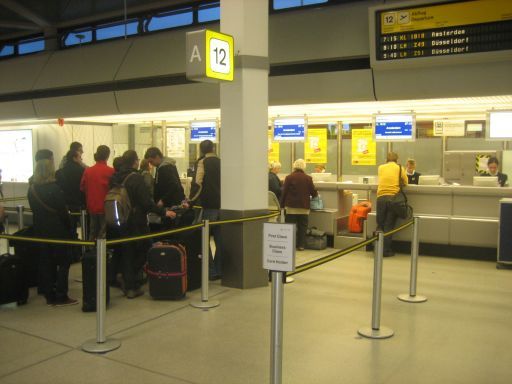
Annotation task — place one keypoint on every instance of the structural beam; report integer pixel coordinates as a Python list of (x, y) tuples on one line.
[(26, 13)]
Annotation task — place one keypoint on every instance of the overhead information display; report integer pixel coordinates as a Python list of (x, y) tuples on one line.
[(443, 29)]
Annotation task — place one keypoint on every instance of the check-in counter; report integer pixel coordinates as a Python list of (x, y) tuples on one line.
[(450, 215)]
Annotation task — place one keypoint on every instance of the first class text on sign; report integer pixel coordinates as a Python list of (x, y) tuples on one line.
[(444, 29)]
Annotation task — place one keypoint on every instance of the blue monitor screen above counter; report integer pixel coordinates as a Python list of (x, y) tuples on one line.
[(394, 127), (203, 130), (290, 129)]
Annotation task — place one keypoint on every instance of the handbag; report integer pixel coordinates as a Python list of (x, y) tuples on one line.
[(399, 203), (316, 203)]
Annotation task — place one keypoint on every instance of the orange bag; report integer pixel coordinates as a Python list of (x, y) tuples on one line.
[(358, 215)]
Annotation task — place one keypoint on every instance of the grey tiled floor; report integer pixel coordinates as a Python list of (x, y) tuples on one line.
[(462, 334)]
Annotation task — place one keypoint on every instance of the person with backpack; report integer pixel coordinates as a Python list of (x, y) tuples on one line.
[(133, 199)]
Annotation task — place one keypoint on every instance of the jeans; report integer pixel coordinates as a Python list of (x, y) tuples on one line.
[(386, 219), (215, 262), (301, 222), (55, 261)]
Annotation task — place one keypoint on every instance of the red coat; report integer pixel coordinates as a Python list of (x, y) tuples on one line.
[(94, 184), (297, 190)]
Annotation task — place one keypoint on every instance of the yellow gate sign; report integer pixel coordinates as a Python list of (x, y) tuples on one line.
[(364, 148), (315, 146), (273, 149)]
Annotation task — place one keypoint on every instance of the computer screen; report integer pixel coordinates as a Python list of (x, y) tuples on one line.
[(290, 129), (485, 181), (429, 180), (499, 125), (203, 130), (324, 176), (394, 127)]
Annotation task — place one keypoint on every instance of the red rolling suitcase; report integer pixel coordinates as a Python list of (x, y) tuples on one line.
[(167, 271), (358, 215)]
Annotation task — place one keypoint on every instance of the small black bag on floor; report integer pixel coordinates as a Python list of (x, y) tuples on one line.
[(316, 239), (13, 288), (29, 253), (167, 271), (89, 281)]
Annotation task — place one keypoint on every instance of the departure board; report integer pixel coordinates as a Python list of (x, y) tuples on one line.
[(445, 29)]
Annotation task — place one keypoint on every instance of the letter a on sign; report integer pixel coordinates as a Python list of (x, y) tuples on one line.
[(195, 54)]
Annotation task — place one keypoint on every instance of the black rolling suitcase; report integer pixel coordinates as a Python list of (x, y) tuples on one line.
[(13, 287), (28, 252), (167, 271), (89, 282)]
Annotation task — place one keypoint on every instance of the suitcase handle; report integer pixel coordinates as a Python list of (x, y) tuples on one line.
[(164, 274)]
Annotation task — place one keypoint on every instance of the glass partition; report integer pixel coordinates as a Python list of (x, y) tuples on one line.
[(428, 154)]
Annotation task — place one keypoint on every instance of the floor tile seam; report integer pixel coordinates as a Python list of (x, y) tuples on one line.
[(175, 310), (71, 349), (37, 337), (147, 370)]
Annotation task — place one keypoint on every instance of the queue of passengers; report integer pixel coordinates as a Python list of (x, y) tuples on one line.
[(52, 195)]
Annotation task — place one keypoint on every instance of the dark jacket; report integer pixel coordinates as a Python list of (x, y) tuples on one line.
[(274, 184), (68, 178), (52, 221), (297, 190), (168, 185), (414, 178), (205, 188), (140, 200), (502, 178)]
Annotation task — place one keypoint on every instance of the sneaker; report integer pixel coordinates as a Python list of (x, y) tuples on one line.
[(300, 249), (65, 302), (214, 277), (133, 293)]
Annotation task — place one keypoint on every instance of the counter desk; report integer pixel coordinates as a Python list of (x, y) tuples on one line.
[(450, 215)]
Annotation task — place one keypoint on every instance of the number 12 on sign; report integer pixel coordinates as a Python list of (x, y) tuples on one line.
[(220, 55)]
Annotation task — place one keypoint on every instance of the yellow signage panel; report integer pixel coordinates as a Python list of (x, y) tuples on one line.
[(445, 15), (273, 149), (364, 148), (219, 56), (315, 146)]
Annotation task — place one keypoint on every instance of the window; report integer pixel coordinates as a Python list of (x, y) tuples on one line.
[(78, 37), (111, 31), (30, 46), (170, 20), (283, 4), (6, 50), (209, 12)]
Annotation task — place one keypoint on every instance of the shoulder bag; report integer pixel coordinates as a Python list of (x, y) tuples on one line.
[(399, 203)]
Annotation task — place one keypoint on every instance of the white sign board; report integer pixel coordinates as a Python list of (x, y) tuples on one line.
[(449, 128), (279, 247), (176, 142)]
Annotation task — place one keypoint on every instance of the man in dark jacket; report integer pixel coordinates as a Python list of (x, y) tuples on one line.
[(69, 177), (205, 191), (168, 191), (133, 257), (274, 184)]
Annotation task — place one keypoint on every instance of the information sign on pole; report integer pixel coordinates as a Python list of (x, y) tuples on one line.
[(449, 127), (209, 56), (279, 247)]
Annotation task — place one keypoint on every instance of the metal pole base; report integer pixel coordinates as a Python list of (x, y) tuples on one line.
[(412, 299), (205, 304), (381, 333), (289, 280), (92, 346)]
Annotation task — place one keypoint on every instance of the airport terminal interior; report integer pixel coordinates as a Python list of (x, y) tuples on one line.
[(348, 83)]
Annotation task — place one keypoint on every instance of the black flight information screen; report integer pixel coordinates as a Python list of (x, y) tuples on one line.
[(444, 29)]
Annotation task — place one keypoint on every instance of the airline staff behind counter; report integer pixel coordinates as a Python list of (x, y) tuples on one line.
[(492, 170), (412, 176)]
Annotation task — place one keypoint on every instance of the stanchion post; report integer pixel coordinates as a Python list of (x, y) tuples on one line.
[(376, 331), (276, 350), (282, 220), (19, 209), (205, 280), (83, 227), (101, 344), (411, 297)]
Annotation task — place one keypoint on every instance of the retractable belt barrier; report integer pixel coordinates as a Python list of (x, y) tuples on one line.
[(18, 198)]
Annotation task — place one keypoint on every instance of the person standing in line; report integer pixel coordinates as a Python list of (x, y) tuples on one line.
[(95, 185), (390, 175), (133, 255), (492, 170), (274, 184), (145, 171), (51, 220), (413, 177), (168, 191), (75, 146), (298, 188), (205, 191)]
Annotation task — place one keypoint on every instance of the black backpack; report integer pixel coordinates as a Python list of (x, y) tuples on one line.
[(117, 204)]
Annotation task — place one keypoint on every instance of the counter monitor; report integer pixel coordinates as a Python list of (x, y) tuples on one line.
[(485, 181), (394, 127), (290, 129), (203, 130), (321, 176), (499, 125), (429, 180)]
